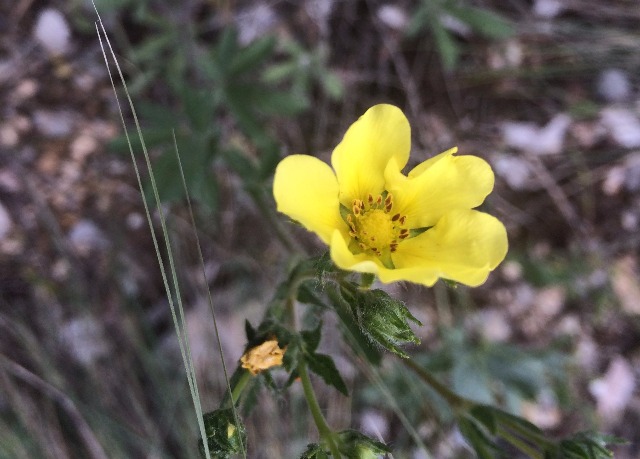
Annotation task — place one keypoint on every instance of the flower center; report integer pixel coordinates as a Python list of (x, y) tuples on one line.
[(374, 226)]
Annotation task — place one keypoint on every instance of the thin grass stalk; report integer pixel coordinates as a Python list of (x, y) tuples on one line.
[(188, 362)]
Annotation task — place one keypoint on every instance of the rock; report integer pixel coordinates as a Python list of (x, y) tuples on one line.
[(622, 125), (5, 222), (515, 171), (393, 17), (614, 86), (625, 281), (85, 237), (55, 124), (548, 9), (613, 390), (374, 423), (254, 22), (52, 32), (530, 138), (84, 340)]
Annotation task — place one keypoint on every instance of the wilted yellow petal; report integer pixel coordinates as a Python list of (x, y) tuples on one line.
[(439, 185), (463, 246), (306, 189), (263, 357), (360, 160)]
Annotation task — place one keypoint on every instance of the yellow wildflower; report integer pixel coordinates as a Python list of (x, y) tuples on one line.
[(417, 227), (263, 357)]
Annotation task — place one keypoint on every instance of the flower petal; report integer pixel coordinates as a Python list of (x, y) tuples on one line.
[(464, 246), (439, 185), (306, 190), (345, 259), (382, 133)]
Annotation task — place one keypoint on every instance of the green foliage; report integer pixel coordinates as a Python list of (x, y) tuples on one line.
[(321, 364), (356, 445), (315, 451), (483, 425), (584, 445), (228, 84), (384, 320), (224, 436), (431, 16), (474, 367), (302, 68)]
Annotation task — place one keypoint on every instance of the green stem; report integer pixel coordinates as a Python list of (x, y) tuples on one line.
[(323, 428), (454, 400)]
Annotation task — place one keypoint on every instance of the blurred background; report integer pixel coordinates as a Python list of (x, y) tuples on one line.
[(547, 91)]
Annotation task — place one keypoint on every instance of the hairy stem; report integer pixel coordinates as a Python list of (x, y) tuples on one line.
[(323, 428)]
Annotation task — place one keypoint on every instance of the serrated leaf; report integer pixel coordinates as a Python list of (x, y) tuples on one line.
[(311, 338), (354, 444), (224, 436), (382, 318), (323, 366), (314, 451)]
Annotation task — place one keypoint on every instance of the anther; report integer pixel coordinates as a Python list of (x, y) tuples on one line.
[(370, 198), (393, 219), (402, 219)]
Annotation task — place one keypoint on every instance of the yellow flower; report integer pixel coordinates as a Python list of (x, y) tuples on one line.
[(417, 227), (263, 357)]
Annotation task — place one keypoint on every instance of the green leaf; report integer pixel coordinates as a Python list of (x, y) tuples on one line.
[(356, 445), (485, 22), (198, 108), (224, 436), (277, 73), (447, 47), (250, 332), (353, 333), (470, 377), (323, 366), (226, 49), (311, 338), (421, 18), (252, 56), (484, 414), (484, 447), (315, 451), (591, 445), (240, 164), (332, 85), (382, 318)]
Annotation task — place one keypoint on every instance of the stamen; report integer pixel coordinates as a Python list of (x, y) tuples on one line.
[(370, 198)]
